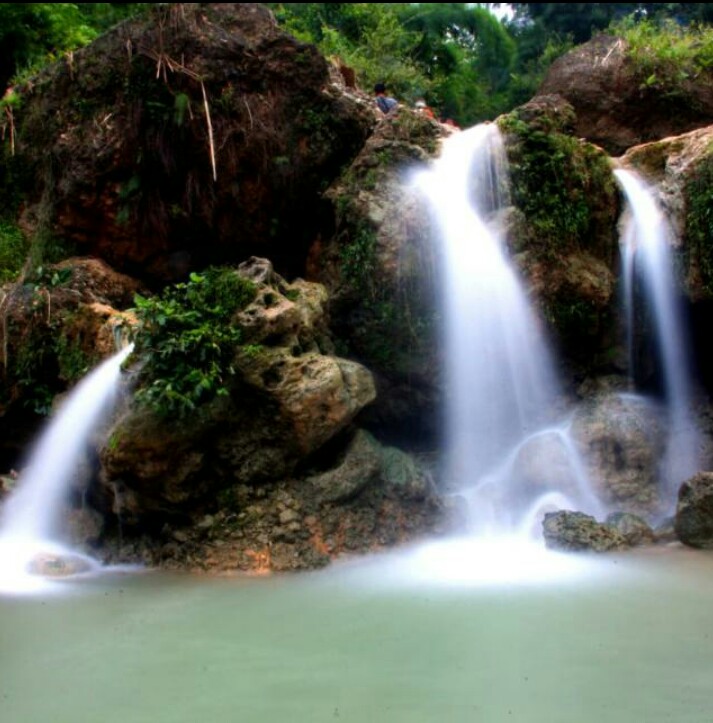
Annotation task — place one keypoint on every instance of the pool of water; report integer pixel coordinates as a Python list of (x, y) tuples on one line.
[(442, 633)]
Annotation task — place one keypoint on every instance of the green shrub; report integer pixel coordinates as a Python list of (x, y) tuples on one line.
[(187, 339), (667, 54)]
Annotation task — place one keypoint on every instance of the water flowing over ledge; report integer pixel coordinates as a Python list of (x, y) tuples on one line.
[(31, 537)]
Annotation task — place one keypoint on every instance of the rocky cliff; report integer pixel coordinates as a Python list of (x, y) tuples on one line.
[(202, 136)]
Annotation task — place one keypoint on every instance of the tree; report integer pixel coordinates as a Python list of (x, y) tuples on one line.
[(580, 20), (34, 33)]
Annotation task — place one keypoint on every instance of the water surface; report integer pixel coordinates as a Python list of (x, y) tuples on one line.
[(621, 638)]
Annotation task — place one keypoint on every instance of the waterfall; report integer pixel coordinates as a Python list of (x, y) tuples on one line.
[(30, 519), (646, 253), (501, 384)]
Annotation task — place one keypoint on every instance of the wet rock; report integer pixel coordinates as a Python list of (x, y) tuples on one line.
[(633, 529), (359, 468), (85, 527), (694, 512), (51, 565), (286, 400), (577, 532), (666, 531), (678, 168), (622, 439)]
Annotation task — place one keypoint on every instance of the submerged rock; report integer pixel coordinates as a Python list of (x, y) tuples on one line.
[(52, 565)]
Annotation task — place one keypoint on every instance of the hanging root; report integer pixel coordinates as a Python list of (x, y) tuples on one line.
[(166, 64)]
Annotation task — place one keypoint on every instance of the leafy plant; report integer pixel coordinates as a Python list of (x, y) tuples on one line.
[(188, 339), (666, 54)]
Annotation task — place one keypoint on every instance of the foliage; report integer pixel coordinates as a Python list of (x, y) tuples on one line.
[(187, 339), (32, 34), (455, 55), (556, 182), (13, 251), (666, 54), (581, 20)]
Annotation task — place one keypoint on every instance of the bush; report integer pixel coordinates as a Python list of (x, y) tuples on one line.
[(188, 340)]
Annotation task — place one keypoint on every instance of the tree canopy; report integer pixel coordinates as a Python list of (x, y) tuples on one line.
[(465, 61)]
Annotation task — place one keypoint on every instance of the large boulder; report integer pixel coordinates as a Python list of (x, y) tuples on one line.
[(562, 226), (195, 134), (378, 266), (286, 400), (615, 106), (622, 438), (364, 497), (694, 513)]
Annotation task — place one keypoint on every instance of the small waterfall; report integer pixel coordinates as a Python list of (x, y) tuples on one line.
[(502, 388), (646, 253), (30, 519)]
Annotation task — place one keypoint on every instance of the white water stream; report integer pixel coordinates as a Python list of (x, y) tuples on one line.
[(502, 388), (30, 520), (646, 253)]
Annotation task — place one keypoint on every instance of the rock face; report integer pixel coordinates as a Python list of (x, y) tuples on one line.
[(286, 401), (202, 140), (274, 476), (366, 501), (680, 168), (378, 266), (562, 225), (622, 441), (56, 326), (613, 104), (694, 513)]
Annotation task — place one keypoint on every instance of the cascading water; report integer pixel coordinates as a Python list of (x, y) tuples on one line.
[(646, 253), (30, 519), (502, 388)]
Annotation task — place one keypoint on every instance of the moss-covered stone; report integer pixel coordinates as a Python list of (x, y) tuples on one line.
[(698, 194), (564, 187)]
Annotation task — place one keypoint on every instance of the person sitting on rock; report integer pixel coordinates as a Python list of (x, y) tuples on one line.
[(385, 102)]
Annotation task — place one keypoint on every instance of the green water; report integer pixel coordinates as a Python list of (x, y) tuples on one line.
[(625, 638)]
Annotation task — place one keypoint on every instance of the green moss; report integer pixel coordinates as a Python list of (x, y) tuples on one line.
[(72, 360), (699, 219), (358, 260), (557, 182), (13, 251)]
